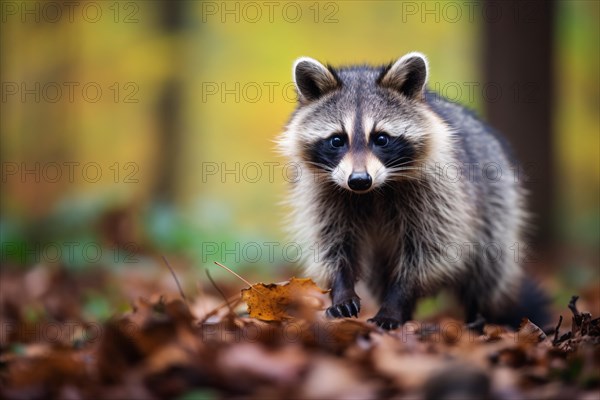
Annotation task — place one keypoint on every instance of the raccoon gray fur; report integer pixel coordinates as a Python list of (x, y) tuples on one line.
[(405, 190)]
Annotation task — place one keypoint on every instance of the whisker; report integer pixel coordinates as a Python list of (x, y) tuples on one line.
[(408, 177), (319, 165)]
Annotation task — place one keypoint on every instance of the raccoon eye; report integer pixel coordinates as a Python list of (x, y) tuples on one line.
[(381, 140), (337, 141)]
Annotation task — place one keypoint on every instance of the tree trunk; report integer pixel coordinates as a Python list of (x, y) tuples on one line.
[(518, 61)]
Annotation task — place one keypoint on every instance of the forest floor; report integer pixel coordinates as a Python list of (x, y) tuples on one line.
[(164, 344)]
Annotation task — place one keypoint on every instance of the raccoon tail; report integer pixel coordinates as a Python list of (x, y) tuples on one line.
[(532, 303)]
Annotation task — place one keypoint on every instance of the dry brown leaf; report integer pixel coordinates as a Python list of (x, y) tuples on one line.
[(529, 332), (332, 378), (408, 370), (162, 350), (494, 332), (255, 361), (276, 302), (165, 357)]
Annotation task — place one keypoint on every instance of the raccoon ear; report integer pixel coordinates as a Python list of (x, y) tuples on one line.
[(312, 79), (408, 75)]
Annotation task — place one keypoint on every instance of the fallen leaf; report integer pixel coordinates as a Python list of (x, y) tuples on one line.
[(276, 302), (529, 332)]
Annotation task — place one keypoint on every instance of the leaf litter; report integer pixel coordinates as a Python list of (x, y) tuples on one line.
[(277, 345)]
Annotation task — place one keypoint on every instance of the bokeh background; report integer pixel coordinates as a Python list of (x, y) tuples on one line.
[(131, 129)]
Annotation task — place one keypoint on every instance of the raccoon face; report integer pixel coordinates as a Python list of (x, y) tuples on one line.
[(360, 127)]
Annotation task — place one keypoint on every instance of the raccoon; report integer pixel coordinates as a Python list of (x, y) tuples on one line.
[(406, 191)]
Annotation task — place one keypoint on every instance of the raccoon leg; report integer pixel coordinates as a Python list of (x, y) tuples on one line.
[(345, 302), (474, 320), (470, 303), (397, 307)]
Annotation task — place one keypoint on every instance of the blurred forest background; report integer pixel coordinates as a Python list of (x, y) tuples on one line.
[(134, 129)]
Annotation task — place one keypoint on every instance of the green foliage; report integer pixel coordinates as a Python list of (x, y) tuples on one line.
[(200, 394)]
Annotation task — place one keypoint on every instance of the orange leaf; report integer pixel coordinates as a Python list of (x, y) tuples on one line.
[(275, 301)]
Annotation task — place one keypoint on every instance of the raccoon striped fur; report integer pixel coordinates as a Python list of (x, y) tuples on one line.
[(406, 191)]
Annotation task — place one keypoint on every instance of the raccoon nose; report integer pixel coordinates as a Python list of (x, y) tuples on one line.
[(359, 181)]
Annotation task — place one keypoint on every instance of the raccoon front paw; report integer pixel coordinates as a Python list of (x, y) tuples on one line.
[(346, 308), (386, 323)]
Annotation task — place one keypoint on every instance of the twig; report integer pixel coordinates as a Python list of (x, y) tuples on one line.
[(573, 306), (555, 341), (586, 317), (239, 277), (227, 303), (234, 273), (176, 281), (577, 319), (219, 290)]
